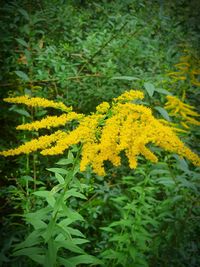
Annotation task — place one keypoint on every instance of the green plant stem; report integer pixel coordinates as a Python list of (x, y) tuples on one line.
[(34, 171), (49, 237)]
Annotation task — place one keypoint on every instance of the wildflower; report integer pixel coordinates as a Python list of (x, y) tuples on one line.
[(41, 143), (182, 110), (37, 102), (85, 132), (186, 69), (129, 127), (195, 82), (194, 77), (181, 64), (174, 126), (103, 107), (50, 121), (129, 96)]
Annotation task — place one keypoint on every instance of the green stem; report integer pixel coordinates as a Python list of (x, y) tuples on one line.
[(34, 170), (27, 164)]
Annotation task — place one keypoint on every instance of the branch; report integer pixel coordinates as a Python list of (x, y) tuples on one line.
[(54, 80)]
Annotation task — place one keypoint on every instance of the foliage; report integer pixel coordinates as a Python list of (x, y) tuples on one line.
[(84, 54)]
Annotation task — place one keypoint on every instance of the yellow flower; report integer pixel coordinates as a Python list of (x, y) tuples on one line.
[(174, 126), (182, 64), (188, 68), (37, 102), (103, 107), (35, 144), (129, 96), (50, 121), (182, 110), (128, 128), (85, 132), (195, 82)]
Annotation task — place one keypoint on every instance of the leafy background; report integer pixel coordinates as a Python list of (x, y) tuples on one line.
[(82, 53)]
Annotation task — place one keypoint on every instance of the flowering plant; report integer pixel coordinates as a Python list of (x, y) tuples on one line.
[(122, 126)]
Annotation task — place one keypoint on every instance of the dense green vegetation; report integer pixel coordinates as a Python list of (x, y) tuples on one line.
[(83, 53)]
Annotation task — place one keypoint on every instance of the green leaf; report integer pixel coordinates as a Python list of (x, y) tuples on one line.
[(71, 214), (65, 222), (167, 181), (33, 239), (35, 218), (64, 161), (34, 253), (79, 241), (84, 259), (185, 183), (22, 42), (65, 262), (149, 87), (22, 75), (70, 155), (74, 193), (182, 164), (24, 13), (21, 112), (107, 229), (133, 252), (122, 222), (127, 78), (120, 238), (47, 195), (58, 170), (69, 245), (163, 91), (74, 232), (163, 112), (59, 177), (157, 172)]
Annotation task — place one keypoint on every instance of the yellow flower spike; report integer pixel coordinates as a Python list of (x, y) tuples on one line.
[(103, 107), (128, 127), (184, 69), (194, 82), (50, 121), (182, 64), (85, 132), (184, 125), (174, 73), (148, 154), (184, 58), (35, 144), (193, 121), (182, 78), (174, 126), (37, 102), (187, 111), (129, 96), (180, 109), (195, 72)]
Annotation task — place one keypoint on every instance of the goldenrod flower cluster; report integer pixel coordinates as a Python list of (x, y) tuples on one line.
[(175, 126), (103, 107), (37, 102), (123, 126), (182, 111), (40, 143), (186, 69), (129, 96), (50, 121), (84, 133)]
